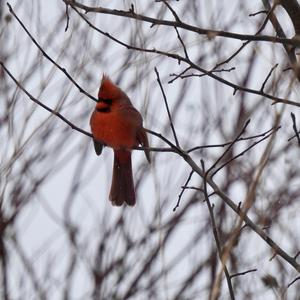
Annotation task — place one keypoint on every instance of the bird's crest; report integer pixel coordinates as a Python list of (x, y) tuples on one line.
[(108, 90)]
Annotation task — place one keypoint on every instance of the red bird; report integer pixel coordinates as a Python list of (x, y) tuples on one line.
[(117, 124)]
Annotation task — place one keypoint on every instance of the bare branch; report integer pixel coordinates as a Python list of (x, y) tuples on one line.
[(292, 282), (43, 105), (246, 150), (267, 78), (68, 18), (295, 127), (177, 19), (215, 292), (183, 189), (259, 12), (229, 147), (167, 107), (182, 43), (229, 143), (243, 273), (81, 90)]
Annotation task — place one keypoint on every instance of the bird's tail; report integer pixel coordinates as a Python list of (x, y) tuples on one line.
[(122, 186)]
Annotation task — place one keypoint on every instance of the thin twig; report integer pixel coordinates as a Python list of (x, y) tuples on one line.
[(259, 12), (182, 43), (295, 127), (215, 232), (183, 189), (230, 146), (228, 143), (267, 78), (199, 75), (234, 54), (172, 11), (297, 254), (267, 18), (273, 256), (296, 279), (242, 273), (244, 151), (167, 107), (68, 17), (179, 75), (193, 188)]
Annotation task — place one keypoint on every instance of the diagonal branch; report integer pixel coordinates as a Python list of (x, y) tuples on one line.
[(216, 288), (183, 190), (229, 147), (267, 78), (43, 105), (81, 90), (295, 127), (245, 150), (167, 107)]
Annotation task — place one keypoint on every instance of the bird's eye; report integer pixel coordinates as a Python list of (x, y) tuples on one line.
[(106, 100)]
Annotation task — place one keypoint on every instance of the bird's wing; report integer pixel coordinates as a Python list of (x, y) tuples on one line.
[(143, 140)]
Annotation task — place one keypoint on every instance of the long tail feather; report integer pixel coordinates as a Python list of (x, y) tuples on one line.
[(122, 187)]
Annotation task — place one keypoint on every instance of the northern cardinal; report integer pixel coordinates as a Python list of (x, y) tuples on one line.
[(117, 124)]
